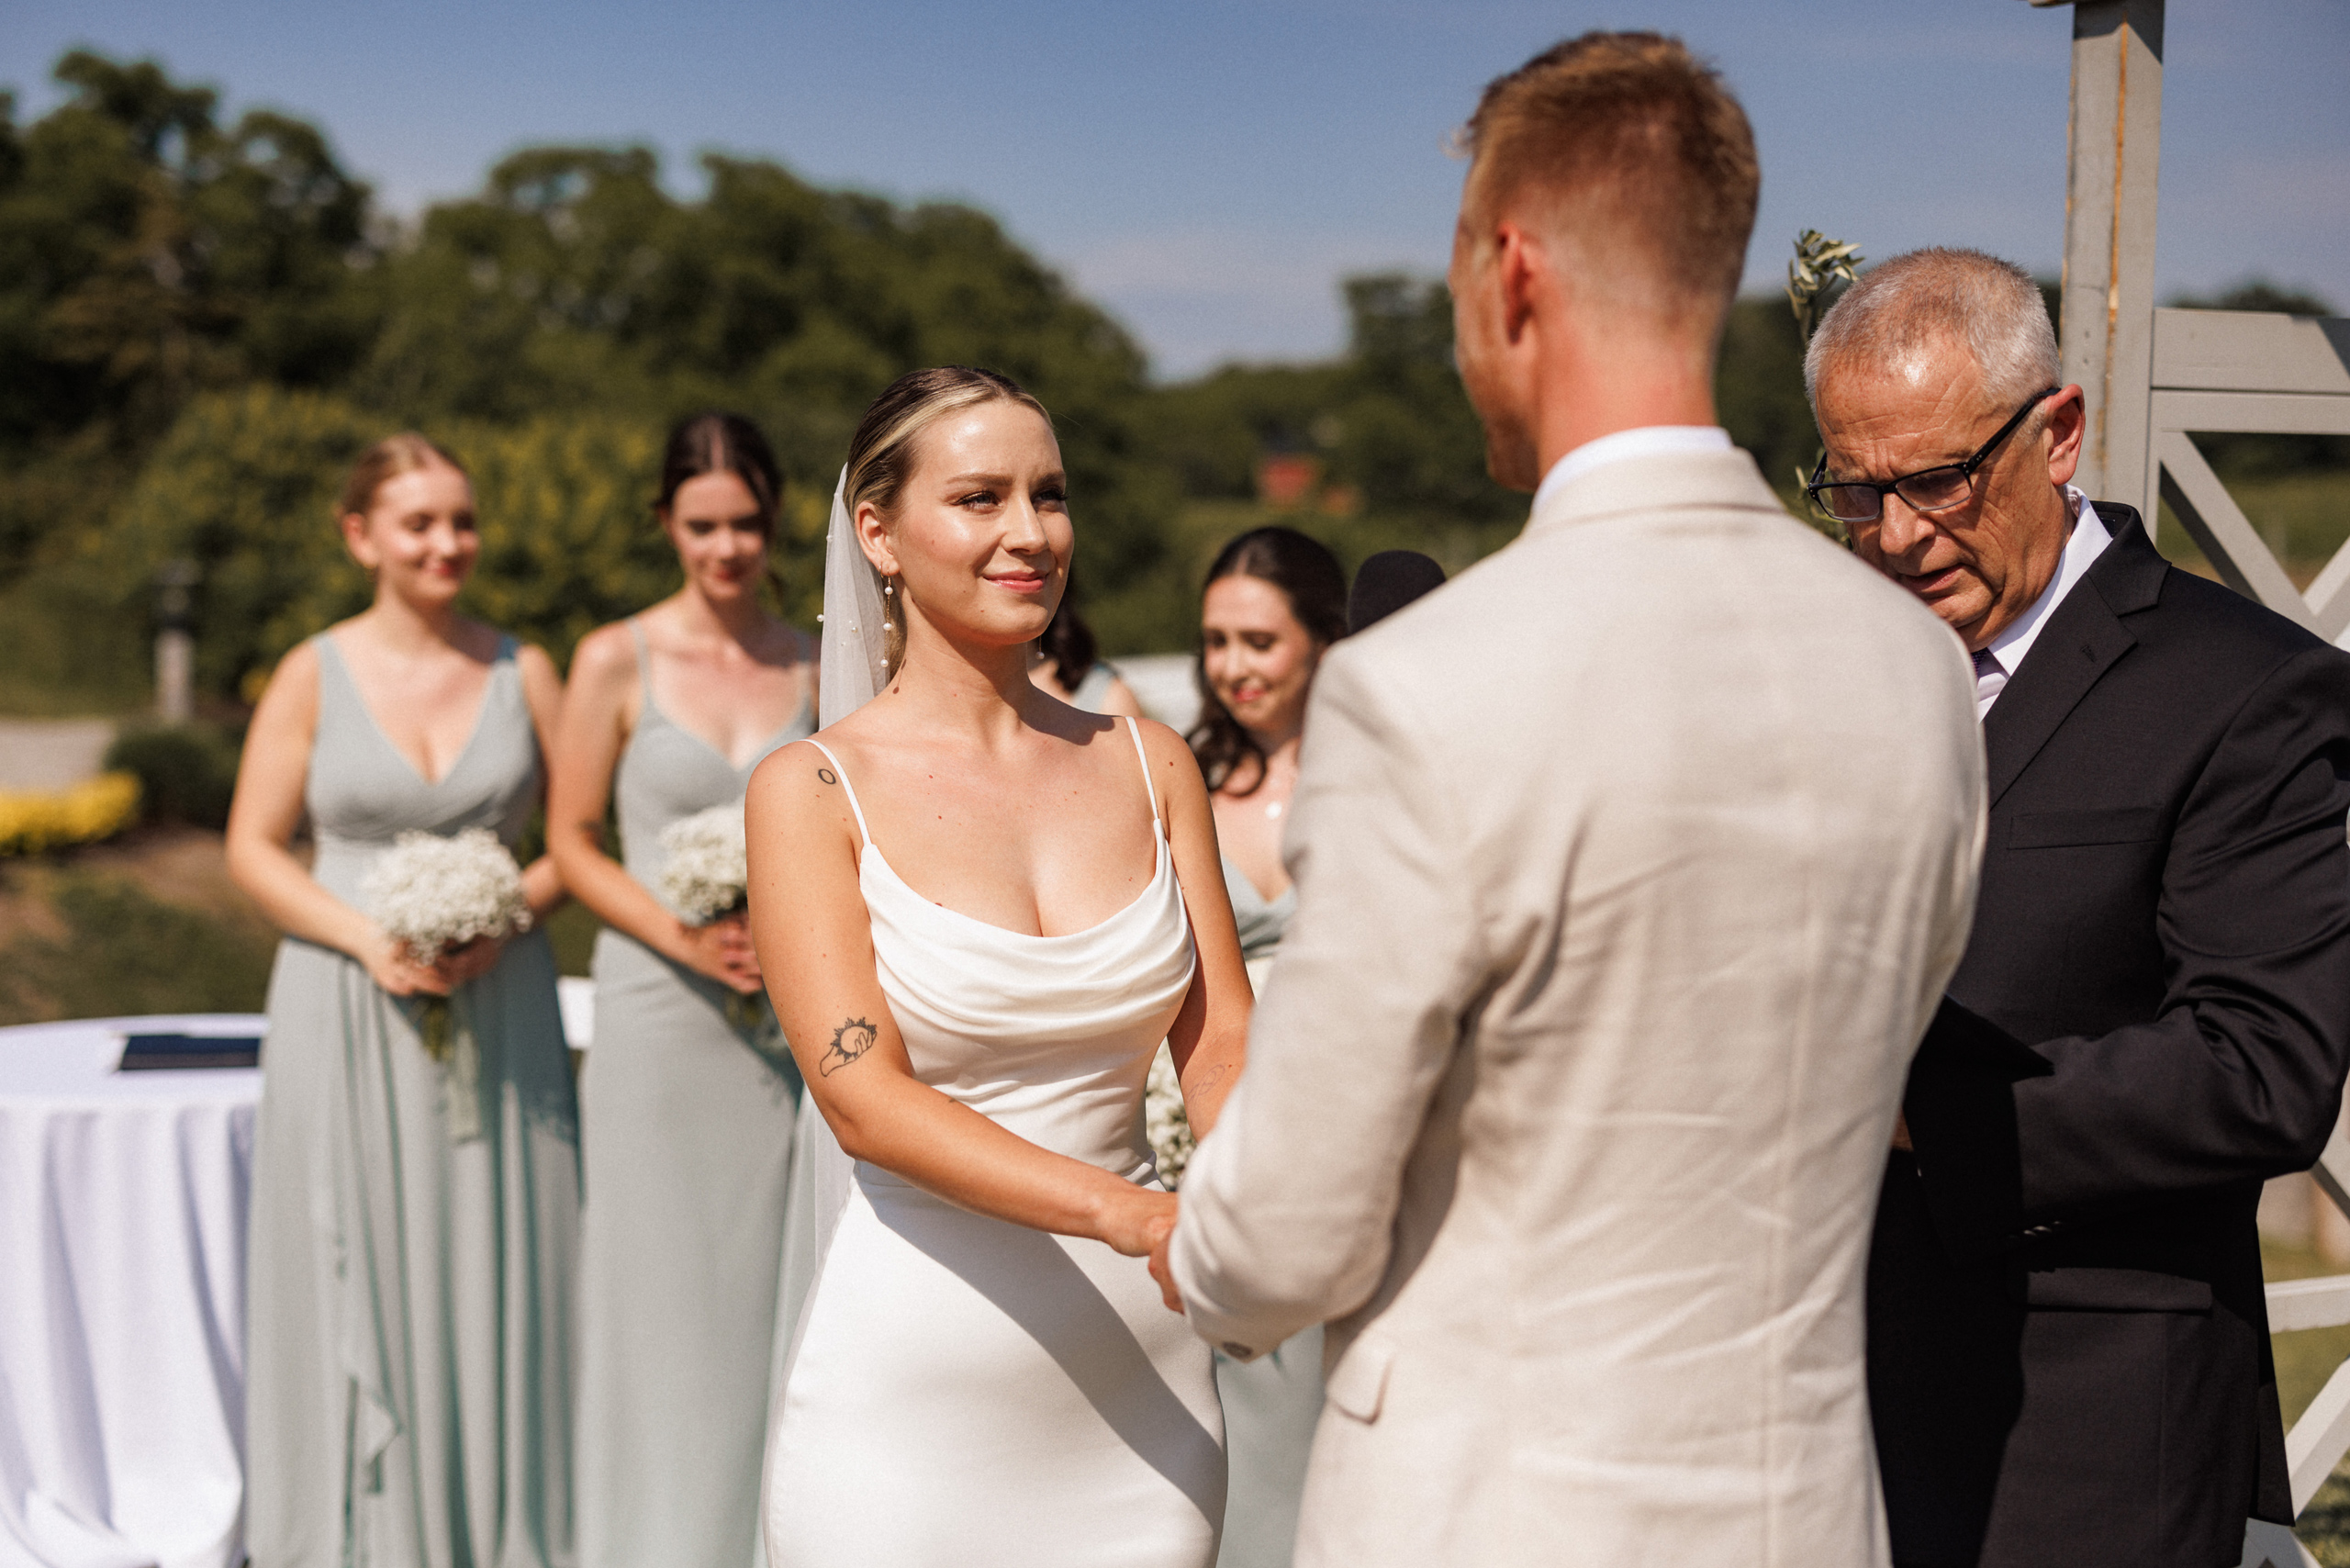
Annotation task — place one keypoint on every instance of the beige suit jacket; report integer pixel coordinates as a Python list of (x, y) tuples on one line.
[(1631, 865)]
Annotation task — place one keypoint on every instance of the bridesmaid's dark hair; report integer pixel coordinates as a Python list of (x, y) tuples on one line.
[(719, 442), (1068, 643), (1316, 585)]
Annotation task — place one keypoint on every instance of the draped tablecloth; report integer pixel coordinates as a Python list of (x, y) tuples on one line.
[(123, 1201)]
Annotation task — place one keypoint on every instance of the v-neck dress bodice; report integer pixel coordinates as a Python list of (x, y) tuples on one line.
[(971, 1391), (1260, 920), (692, 1110), (364, 792), (666, 772)]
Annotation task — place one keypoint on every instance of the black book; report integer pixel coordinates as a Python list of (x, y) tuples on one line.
[(183, 1053)]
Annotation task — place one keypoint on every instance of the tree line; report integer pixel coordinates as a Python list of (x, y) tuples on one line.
[(203, 319)]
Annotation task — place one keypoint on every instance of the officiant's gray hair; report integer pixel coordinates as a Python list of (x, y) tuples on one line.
[(1916, 300)]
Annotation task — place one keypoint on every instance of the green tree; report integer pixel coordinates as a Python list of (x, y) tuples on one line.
[(147, 253)]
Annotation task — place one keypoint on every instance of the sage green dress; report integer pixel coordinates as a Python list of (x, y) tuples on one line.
[(414, 1223), (690, 1121), (1272, 1403)]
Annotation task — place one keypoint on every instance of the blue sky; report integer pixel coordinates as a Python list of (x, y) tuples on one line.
[(1210, 169)]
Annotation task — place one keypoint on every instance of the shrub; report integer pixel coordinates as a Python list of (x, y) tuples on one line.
[(94, 809), (186, 773)]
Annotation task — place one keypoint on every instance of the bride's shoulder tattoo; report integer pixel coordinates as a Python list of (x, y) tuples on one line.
[(826, 775), (850, 1041)]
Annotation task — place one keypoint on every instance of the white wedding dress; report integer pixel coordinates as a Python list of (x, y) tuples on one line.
[(968, 1391)]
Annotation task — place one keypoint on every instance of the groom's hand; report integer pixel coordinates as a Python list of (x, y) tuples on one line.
[(1162, 1268)]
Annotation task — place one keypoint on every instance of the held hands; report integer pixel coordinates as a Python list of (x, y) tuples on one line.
[(1141, 1223), (721, 951)]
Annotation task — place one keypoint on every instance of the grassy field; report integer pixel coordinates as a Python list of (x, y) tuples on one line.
[(152, 924)]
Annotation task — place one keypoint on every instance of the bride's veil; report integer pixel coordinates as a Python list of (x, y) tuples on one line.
[(856, 660), (853, 669)]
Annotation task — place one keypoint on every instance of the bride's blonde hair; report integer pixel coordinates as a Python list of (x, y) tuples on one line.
[(882, 454)]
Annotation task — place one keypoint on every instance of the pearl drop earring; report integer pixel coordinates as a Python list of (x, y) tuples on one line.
[(888, 589)]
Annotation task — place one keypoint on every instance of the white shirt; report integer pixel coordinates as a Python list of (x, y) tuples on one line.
[(1647, 441), (2088, 540)]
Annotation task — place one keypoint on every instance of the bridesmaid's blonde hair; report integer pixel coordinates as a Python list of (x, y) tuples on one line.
[(389, 458), (882, 454)]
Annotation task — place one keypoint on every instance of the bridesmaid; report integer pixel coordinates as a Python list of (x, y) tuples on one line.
[(1275, 600), (690, 1093), (409, 1396)]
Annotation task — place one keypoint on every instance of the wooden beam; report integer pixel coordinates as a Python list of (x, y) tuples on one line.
[(2115, 137), (2250, 350)]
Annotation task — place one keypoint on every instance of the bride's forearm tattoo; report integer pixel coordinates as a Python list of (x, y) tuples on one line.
[(850, 1041)]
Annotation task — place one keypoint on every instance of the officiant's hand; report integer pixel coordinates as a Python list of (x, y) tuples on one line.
[(392, 966), (721, 951)]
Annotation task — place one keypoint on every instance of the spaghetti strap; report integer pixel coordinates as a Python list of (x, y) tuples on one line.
[(841, 774), (643, 662), (1152, 790)]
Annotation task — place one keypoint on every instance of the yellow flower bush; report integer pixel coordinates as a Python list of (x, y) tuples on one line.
[(94, 809)]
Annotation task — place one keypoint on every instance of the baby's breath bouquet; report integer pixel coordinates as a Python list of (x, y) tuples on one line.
[(1165, 1122), (431, 893), (704, 867), (705, 872)]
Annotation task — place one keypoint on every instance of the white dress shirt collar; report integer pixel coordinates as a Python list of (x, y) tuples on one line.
[(2090, 538), (1647, 441)]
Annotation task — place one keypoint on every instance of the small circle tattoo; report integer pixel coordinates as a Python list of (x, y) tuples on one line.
[(826, 775)]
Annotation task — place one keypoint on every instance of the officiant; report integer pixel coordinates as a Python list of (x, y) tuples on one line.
[(2068, 1341), (689, 1102)]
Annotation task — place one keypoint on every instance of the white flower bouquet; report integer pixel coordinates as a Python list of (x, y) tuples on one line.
[(1165, 1122), (705, 866), (432, 894), (705, 876)]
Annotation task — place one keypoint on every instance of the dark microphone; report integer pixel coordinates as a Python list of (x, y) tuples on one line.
[(1386, 583)]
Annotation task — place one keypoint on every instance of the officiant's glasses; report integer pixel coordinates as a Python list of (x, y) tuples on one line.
[(1928, 490)]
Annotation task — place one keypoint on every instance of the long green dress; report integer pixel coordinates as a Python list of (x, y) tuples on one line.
[(412, 1272), (690, 1135), (1272, 1403)]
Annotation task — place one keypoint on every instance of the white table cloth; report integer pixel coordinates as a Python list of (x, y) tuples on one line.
[(123, 1202)]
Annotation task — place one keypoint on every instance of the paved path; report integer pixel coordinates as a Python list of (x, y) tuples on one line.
[(50, 754)]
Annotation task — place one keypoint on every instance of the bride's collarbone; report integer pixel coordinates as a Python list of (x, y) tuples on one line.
[(1041, 857)]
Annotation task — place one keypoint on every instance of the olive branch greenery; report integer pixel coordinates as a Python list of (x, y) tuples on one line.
[(1820, 264)]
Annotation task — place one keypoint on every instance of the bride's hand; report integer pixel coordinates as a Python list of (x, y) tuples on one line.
[(393, 967), (1137, 1221), (721, 951)]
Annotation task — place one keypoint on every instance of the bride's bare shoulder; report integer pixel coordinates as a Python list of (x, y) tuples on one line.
[(797, 789)]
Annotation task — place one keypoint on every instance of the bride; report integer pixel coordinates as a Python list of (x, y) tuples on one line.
[(978, 910)]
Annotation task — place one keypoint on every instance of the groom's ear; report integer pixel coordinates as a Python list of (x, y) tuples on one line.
[(1522, 272)]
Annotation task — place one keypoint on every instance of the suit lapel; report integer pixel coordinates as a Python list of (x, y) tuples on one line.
[(2084, 638)]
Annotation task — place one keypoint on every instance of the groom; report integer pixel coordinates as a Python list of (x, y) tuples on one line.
[(1631, 865)]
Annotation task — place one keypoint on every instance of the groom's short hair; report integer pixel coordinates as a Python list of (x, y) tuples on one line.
[(1638, 156)]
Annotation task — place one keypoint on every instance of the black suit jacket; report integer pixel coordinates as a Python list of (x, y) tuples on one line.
[(2068, 1348)]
